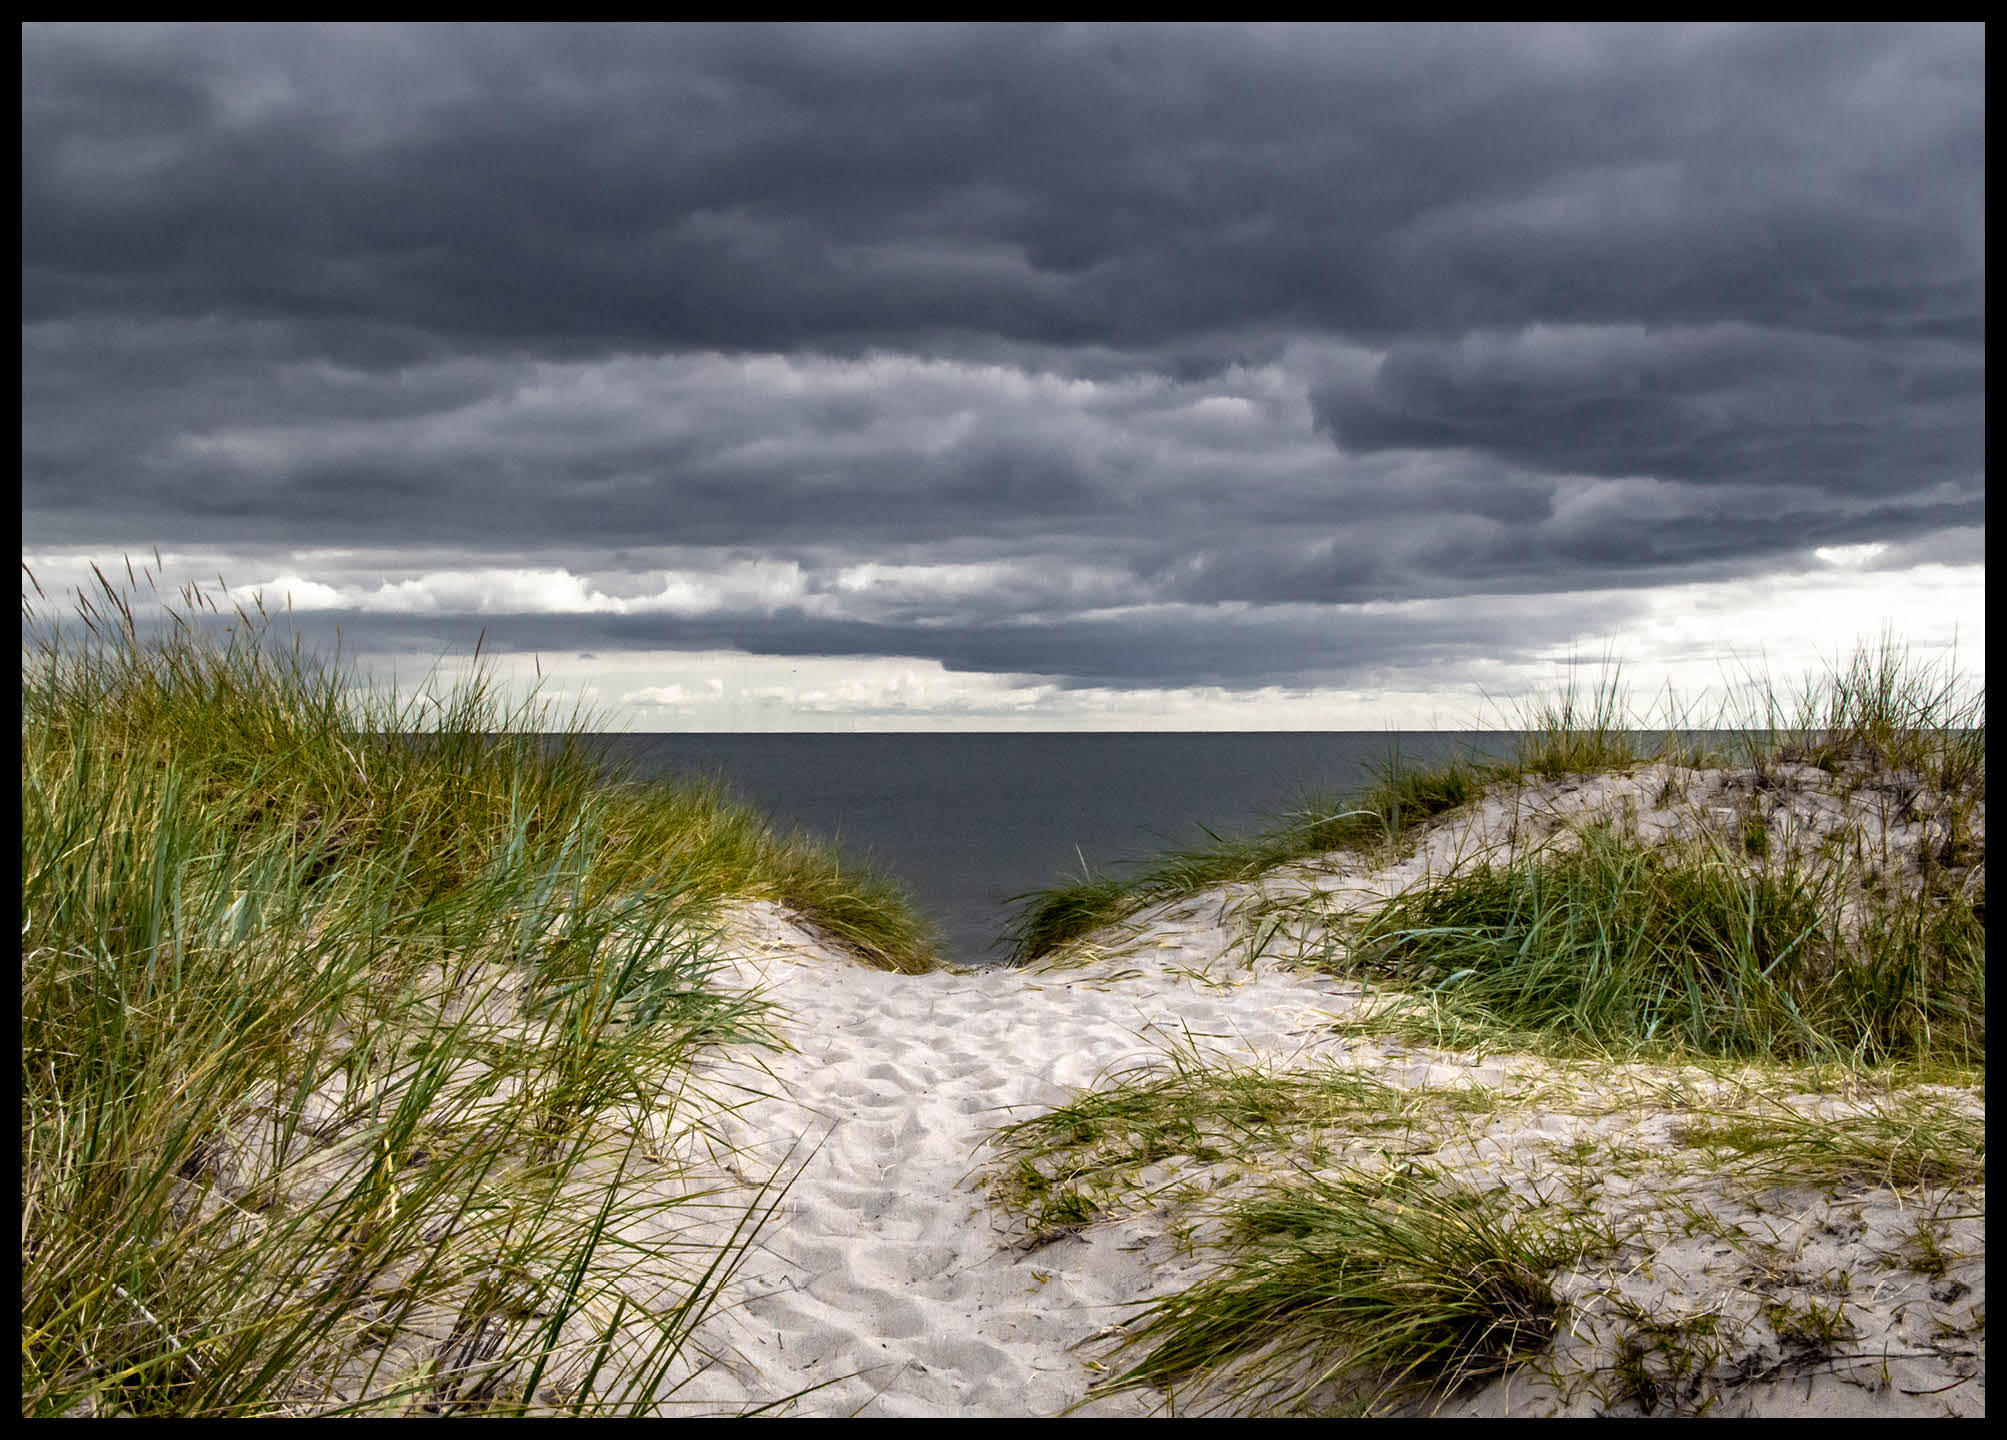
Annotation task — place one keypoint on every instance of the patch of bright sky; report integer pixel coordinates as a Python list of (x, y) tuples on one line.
[(1698, 643)]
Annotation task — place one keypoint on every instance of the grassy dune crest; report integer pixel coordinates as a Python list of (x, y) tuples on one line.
[(1801, 906), (347, 1059), (1729, 950)]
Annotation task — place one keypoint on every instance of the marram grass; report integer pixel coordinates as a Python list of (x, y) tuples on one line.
[(1877, 710), (1338, 1289), (1565, 735), (346, 1057), (1348, 1290), (1628, 948), (1625, 948), (1912, 1144)]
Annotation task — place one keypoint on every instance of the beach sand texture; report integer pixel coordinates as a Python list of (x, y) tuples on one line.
[(887, 1282)]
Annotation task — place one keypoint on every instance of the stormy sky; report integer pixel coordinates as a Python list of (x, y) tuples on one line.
[(1074, 377)]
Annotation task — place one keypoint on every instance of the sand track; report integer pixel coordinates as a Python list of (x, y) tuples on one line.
[(889, 1267), (887, 1283)]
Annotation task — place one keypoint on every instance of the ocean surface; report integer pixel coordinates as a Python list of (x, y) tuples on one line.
[(966, 821)]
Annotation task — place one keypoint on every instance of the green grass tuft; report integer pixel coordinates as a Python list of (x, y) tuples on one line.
[(1085, 1158), (1403, 798), (1879, 710), (1568, 735), (1355, 1291), (1629, 948), (1352, 1291), (1064, 912), (1908, 1146), (344, 1051)]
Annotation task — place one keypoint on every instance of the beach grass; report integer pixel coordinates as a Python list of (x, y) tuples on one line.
[(1914, 1142), (1347, 1291), (1351, 1267), (1091, 1157), (1082, 1160), (352, 1030), (1570, 733), (1404, 797), (1625, 948), (1878, 711)]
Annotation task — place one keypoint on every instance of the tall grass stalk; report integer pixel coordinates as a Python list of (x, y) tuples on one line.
[(1620, 947), (346, 1059), (1878, 709)]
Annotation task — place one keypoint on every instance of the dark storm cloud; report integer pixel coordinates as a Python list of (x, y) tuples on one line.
[(1723, 404), (1249, 316), (780, 187)]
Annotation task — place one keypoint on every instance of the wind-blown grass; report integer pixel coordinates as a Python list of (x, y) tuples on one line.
[(1728, 959), (1622, 948), (346, 1059), (1570, 734), (1878, 710), (1403, 798), (261, 736), (1618, 946), (1344, 1289), (1912, 1144), (1355, 1291), (1075, 1162)]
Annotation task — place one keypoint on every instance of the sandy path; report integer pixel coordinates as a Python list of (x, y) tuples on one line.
[(888, 1267), (888, 1280)]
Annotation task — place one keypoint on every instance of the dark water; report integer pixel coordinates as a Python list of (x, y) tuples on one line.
[(967, 821)]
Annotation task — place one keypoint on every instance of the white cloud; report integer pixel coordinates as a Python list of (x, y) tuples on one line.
[(1697, 639), (1852, 557), (734, 586)]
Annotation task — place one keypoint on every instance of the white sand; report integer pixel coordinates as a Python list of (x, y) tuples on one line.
[(889, 1280), (889, 1267)]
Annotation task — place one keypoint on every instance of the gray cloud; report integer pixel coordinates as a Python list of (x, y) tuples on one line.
[(1243, 321), (1166, 647), (1721, 405)]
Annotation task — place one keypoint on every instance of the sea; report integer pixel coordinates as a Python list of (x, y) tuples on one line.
[(968, 822)]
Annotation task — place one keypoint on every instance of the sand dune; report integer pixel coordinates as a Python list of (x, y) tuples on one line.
[(888, 1283)]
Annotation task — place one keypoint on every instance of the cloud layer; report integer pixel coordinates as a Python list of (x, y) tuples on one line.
[(1111, 357)]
